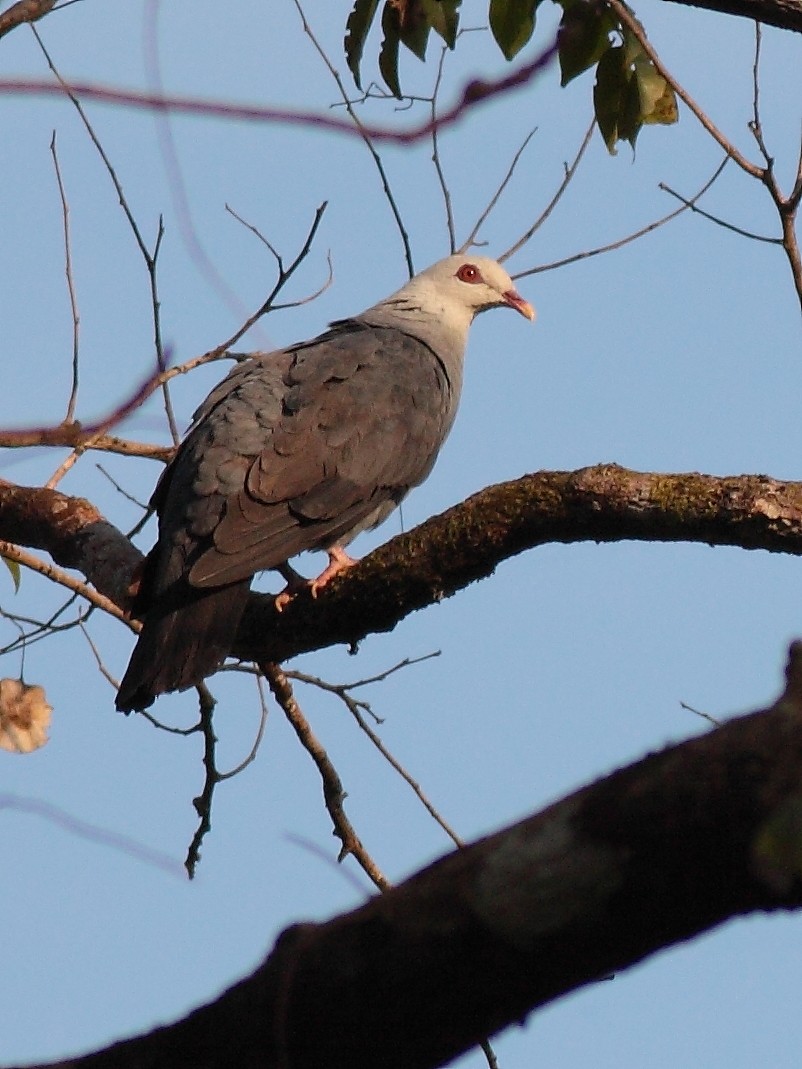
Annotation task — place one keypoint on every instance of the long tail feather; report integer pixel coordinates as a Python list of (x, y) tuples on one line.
[(183, 640)]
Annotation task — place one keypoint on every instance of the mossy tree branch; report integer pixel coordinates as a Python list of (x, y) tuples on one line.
[(605, 503)]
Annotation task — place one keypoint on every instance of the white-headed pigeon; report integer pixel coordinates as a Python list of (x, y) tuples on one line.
[(301, 449)]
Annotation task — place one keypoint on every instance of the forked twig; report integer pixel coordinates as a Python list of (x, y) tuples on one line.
[(570, 171), (480, 222), (150, 258), (613, 245), (366, 138), (333, 792), (203, 802)]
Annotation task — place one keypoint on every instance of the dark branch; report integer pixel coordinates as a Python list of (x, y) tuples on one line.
[(600, 504), (648, 857), (784, 14)]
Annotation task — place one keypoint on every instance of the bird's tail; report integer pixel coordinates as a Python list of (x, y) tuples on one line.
[(184, 639)]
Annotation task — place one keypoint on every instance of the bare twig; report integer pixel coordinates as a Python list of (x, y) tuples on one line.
[(150, 258), (98, 659), (280, 261), (480, 222), (715, 219), (356, 708), (175, 174), (76, 319), (475, 93), (259, 734), (612, 246), (333, 792), (366, 138), (786, 206), (438, 165), (203, 803), (57, 575), (92, 832), (570, 171), (75, 434), (698, 712)]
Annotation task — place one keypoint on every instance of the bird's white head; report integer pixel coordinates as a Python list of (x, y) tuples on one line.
[(472, 283), (439, 304)]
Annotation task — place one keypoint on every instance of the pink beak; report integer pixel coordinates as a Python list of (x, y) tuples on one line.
[(516, 301)]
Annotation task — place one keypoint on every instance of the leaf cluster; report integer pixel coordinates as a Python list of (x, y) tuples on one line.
[(628, 94)]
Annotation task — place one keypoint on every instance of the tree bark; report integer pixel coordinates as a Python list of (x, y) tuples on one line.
[(784, 14), (605, 503), (647, 857)]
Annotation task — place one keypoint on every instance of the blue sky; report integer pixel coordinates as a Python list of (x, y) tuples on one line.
[(679, 352)]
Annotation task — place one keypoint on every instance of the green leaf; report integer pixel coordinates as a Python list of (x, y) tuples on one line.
[(388, 54), (14, 568), (512, 23), (414, 27), (630, 118), (583, 38), (609, 95), (444, 18), (356, 31)]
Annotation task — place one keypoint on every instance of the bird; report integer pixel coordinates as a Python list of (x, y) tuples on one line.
[(300, 449)]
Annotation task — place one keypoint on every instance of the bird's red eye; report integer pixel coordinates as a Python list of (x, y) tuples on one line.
[(469, 273)]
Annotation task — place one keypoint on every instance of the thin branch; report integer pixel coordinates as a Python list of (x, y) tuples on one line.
[(438, 166), (92, 832), (480, 222), (115, 683), (698, 712), (626, 18), (56, 575), (719, 222), (175, 174), (612, 246), (76, 319), (301, 301), (259, 734), (356, 707), (570, 171), (203, 803), (150, 258), (333, 792), (366, 138), (76, 434), (474, 94)]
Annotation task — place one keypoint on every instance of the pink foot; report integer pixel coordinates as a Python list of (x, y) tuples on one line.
[(295, 584), (339, 561)]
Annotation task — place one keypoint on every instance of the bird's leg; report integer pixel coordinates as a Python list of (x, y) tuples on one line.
[(339, 561), (295, 584)]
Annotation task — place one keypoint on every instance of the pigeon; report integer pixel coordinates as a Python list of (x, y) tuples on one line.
[(301, 449)]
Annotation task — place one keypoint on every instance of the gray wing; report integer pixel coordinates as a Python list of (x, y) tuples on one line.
[(304, 448)]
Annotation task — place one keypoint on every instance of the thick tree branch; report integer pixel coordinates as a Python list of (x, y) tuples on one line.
[(600, 504), (648, 857), (73, 532), (784, 14), (605, 503)]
